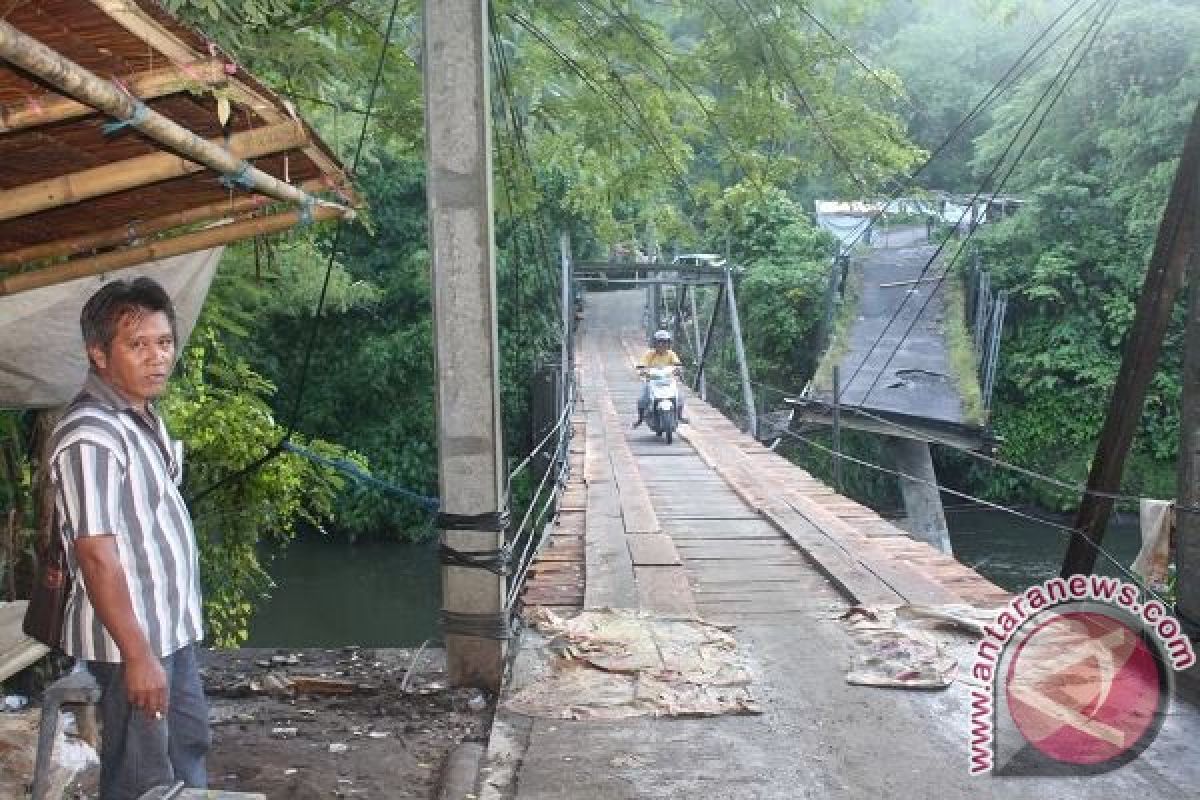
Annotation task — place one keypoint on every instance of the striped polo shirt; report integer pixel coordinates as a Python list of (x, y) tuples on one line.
[(117, 473)]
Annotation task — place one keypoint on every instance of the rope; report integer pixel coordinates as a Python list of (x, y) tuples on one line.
[(353, 471), (140, 112), (239, 177), (486, 625)]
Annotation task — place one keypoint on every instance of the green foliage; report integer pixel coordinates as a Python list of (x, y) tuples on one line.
[(218, 406), (781, 294), (1074, 259)]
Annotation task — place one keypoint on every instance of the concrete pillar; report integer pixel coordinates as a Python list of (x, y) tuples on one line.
[(922, 501), (459, 187)]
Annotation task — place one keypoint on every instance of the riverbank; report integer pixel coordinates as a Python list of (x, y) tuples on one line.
[(309, 724)]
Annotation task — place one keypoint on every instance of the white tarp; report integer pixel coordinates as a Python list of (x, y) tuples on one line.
[(42, 362), (847, 227), (1154, 557)]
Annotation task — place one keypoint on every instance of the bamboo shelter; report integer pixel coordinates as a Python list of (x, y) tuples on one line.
[(127, 137)]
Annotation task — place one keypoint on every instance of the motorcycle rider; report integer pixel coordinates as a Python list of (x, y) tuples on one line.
[(661, 355)]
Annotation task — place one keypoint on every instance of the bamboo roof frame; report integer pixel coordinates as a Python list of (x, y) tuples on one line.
[(140, 229), (146, 85), (124, 202), (214, 236), (74, 187)]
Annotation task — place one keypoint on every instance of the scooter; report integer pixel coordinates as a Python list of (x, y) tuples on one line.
[(662, 417)]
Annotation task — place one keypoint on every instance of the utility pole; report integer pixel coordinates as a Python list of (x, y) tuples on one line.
[(1164, 277), (1187, 521), (459, 180), (740, 349), (568, 318)]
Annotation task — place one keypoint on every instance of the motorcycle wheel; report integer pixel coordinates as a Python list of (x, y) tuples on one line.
[(668, 425)]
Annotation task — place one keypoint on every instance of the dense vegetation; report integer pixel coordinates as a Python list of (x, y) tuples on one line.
[(709, 126)]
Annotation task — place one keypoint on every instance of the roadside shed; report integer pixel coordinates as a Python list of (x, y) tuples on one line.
[(127, 140)]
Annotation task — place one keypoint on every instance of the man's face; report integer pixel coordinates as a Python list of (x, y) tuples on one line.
[(661, 346), (140, 358)]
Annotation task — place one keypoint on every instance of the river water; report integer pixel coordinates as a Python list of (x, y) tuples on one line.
[(1013, 552), (330, 593)]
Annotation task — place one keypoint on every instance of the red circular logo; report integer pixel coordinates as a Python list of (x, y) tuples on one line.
[(1085, 688)]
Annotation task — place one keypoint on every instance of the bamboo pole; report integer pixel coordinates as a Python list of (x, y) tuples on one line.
[(137, 229), (163, 248), (152, 83), (140, 171), (133, 18), (34, 57)]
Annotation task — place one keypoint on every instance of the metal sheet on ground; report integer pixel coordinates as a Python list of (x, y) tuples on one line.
[(609, 582)]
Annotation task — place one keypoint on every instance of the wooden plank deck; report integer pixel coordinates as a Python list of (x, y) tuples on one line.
[(715, 524)]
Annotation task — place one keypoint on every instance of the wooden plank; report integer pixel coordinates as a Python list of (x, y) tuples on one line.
[(748, 529), (764, 603), (17, 651), (652, 549), (743, 573), (609, 581), (665, 590), (734, 550)]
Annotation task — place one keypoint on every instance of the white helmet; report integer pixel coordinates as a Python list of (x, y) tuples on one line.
[(662, 336)]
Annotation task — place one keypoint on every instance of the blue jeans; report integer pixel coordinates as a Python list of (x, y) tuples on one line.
[(138, 752)]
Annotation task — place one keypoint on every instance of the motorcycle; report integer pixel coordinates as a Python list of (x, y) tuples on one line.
[(662, 416)]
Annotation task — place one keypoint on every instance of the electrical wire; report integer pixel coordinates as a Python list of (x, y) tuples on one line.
[(1094, 32), (672, 73), (315, 327), (1066, 529), (902, 95), (612, 101), (1019, 68), (766, 41), (987, 181)]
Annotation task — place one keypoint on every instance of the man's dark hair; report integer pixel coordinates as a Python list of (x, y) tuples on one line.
[(103, 311)]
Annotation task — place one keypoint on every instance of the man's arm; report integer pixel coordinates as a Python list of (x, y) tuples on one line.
[(104, 578), (88, 476)]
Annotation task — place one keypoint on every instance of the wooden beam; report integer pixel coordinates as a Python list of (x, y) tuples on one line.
[(135, 20), (34, 57), (152, 83), (138, 229), (163, 248), (1164, 278), (140, 171)]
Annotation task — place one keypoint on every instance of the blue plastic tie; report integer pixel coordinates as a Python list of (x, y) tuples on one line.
[(353, 471), (306, 211), (240, 178), (140, 112)]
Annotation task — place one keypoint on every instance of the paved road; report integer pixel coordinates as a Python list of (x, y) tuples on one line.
[(896, 356)]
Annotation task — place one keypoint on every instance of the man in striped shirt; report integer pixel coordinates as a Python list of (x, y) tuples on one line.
[(135, 616)]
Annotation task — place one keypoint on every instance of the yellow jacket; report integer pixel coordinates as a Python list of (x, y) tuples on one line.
[(651, 358)]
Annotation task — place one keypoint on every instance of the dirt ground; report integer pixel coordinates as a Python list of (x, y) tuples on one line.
[(353, 723)]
